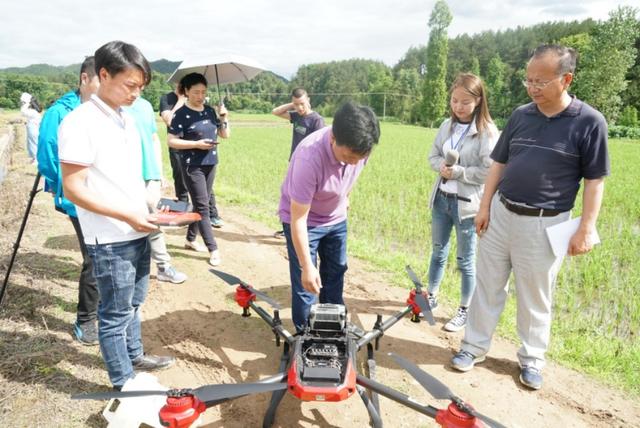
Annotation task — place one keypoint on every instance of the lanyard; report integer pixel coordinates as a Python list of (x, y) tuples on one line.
[(459, 139)]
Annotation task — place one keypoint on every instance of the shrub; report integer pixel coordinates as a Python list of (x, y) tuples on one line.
[(629, 116), (618, 131)]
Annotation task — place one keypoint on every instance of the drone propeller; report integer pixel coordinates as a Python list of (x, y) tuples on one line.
[(206, 393), (223, 391), (439, 390), (234, 280), (420, 299)]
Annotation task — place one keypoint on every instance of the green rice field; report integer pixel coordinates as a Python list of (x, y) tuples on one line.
[(597, 300)]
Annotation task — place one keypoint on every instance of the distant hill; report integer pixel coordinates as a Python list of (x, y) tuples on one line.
[(163, 66), (45, 70)]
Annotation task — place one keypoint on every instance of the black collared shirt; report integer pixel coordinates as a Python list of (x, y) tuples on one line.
[(547, 157)]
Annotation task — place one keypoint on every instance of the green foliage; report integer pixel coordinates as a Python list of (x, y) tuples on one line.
[(335, 82), (13, 85), (434, 92), (606, 60), (156, 88), (474, 68), (617, 131), (629, 117), (631, 96), (497, 87)]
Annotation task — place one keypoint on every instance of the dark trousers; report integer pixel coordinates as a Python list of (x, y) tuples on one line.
[(182, 193), (329, 243), (213, 210), (199, 179), (88, 295)]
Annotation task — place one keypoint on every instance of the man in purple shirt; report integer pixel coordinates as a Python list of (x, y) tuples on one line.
[(314, 202)]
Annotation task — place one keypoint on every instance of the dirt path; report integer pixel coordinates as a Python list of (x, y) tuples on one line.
[(199, 323)]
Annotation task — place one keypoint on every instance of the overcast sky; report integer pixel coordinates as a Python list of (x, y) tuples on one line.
[(280, 35)]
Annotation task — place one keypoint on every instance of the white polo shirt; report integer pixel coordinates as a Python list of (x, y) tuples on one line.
[(108, 143)]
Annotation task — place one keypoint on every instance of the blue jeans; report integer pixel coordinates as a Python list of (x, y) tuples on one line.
[(121, 270), (330, 243), (444, 217)]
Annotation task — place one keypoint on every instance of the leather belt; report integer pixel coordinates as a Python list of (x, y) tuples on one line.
[(531, 212), (453, 196), (448, 195)]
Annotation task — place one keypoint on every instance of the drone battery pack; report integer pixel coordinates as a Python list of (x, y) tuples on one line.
[(321, 374)]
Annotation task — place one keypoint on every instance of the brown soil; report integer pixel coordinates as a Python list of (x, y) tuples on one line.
[(199, 323)]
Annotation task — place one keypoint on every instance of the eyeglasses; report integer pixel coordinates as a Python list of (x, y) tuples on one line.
[(537, 85)]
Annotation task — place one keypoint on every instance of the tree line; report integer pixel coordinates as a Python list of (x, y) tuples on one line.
[(414, 90)]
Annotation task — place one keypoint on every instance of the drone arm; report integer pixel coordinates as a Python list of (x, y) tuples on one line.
[(280, 377), (394, 395), (277, 328), (377, 332), (376, 421)]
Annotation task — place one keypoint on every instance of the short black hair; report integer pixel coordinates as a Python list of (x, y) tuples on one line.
[(117, 56), (88, 66), (192, 79), (298, 92), (356, 127), (567, 57)]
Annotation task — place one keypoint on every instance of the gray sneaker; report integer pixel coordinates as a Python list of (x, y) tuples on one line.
[(458, 322), (169, 274), (86, 333), (531, 377), (464, 361)]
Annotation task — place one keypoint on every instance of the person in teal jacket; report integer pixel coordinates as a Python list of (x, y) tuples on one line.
[(142, 112), (85, 328)]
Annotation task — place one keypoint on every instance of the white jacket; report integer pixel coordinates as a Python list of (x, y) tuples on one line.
[(472, 167)]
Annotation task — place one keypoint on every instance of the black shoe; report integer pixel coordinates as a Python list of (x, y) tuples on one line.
[(148, 363), (117, 388), (86, 333)]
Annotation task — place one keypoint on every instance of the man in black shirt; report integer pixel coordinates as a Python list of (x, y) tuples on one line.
[(304, 120), (546, 149)]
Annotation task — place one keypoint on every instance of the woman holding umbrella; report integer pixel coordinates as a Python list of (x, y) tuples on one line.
[(194, 131)]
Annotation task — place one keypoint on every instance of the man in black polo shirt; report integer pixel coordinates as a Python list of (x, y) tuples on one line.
[(546, 149)]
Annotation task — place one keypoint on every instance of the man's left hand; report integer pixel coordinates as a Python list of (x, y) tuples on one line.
[(581, 243)]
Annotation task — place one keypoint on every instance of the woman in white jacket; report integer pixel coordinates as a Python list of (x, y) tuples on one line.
[(460, 155), (30, 109)]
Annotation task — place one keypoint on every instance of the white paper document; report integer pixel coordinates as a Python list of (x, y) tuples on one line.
[(560, 234)]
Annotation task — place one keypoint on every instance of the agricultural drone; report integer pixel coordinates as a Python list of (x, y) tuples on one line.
[(318, 364)]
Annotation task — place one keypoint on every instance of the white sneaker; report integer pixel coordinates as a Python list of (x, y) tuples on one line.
[(169, 274), (195, 246), (215, 259), (459, 320)]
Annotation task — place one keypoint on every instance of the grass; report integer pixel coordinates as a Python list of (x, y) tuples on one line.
[(597, 307)]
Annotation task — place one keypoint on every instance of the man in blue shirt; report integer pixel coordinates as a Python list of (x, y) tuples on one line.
[(85, 328), (546, 149)]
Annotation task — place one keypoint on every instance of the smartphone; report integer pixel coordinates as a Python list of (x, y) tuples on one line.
[(174, 205)]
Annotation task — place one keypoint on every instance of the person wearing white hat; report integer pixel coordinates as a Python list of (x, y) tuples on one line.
[(30, 109)]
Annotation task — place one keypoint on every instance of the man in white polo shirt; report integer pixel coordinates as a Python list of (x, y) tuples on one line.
[(100, 156)]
